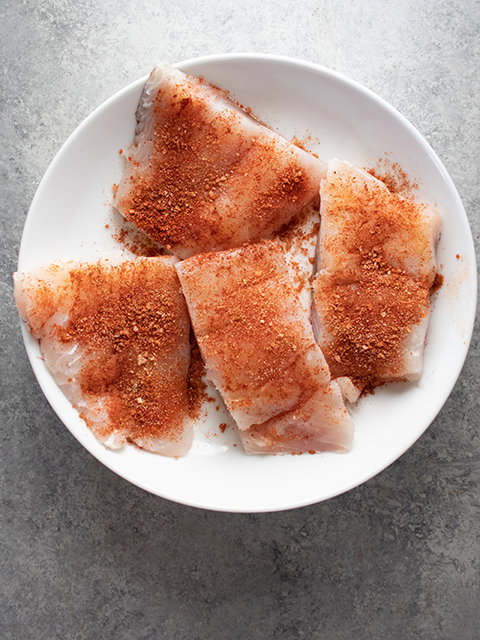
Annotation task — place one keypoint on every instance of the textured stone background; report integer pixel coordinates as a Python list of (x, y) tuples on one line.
[(85, 555)]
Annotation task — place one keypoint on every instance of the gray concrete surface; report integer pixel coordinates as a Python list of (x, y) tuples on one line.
[(84, 555)]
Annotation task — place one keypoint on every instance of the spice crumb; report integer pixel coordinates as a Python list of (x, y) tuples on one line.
[(137, 242), (437, 283), (394, 177)]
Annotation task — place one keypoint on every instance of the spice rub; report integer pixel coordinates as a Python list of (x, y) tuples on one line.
[(115, 336), (376, 261), (203, 174), (260, 351)]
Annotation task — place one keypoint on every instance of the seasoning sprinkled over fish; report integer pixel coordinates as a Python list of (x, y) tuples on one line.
[(115, 336), (376, 261), (203, 174), (260, 351)]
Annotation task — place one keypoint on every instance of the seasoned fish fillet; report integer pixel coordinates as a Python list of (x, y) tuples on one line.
[(115, 336), (376, 259), (203, 174), (260, 351)]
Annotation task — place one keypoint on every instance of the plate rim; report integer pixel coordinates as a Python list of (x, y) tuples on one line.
[(345, 80)]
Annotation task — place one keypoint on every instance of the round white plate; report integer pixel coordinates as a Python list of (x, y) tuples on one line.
[(67, 220)]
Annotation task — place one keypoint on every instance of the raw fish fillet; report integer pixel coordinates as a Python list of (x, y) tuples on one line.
[(376, 260), (203, 174), (260, 352), (115, 336)]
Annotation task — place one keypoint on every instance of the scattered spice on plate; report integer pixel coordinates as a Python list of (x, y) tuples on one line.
[(137, 242), (394, 177)]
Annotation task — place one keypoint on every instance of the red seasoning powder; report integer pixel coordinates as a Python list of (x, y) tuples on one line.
[(437, 283), (369, 317), (137, 243), (394, 177)]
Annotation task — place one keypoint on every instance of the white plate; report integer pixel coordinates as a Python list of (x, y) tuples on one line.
[(67, 220)]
